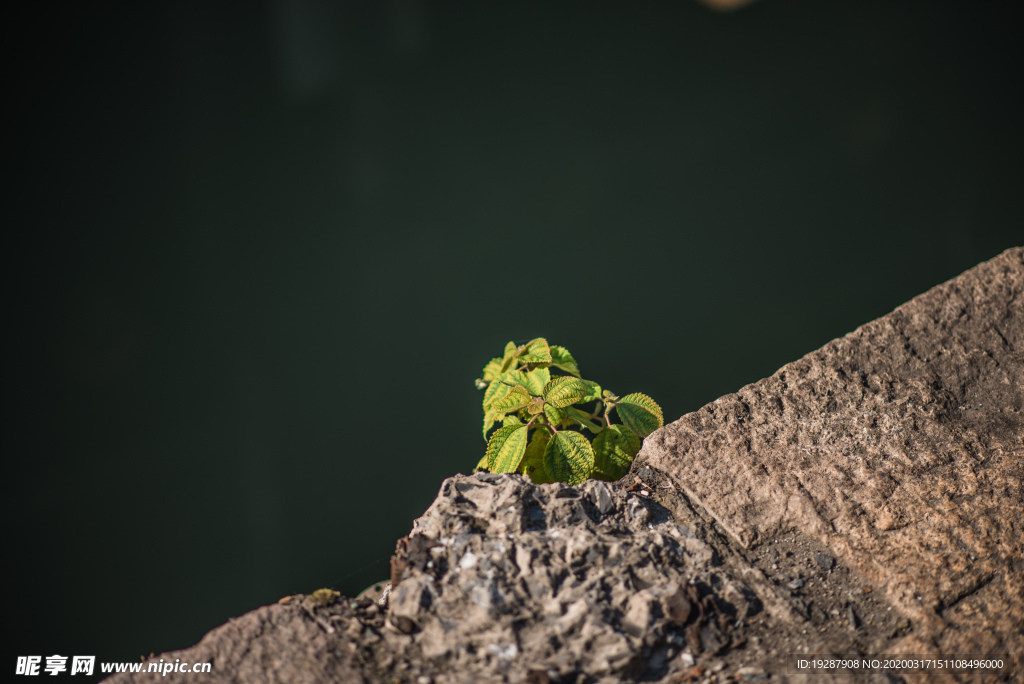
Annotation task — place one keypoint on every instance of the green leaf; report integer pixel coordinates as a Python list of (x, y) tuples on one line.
[(584, 419), (554, 415), (496, 390), (502, 386), (561, 358), (509, 358), (535, 380), (640, 413), (536, 351), (506, 449), (594, 391), (533, 460), (513, 377), (511, 420), (516, 399), (481, 464), (489, 419), (565, 391), (491, 370), (614, 450), (569, 457)]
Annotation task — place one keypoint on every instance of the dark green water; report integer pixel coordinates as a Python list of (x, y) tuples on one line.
[(257, 257)]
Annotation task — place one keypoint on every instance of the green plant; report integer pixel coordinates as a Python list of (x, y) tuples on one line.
[(543, 416)]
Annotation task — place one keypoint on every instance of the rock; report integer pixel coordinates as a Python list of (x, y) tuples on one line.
[(597, 589), (602, 498), (677, 607), (824, 561), (851, 617), (899, 447), (895, 451)]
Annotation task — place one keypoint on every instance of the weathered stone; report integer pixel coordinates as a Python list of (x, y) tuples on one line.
[(564, 579), (899, 446), (824, 561)]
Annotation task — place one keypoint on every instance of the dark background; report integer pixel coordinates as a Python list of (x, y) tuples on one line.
[(257, 254)]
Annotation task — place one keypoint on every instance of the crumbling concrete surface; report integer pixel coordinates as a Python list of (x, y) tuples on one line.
[(865, 499)]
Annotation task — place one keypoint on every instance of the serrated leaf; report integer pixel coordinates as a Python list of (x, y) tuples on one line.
[(511, 350), (514, 377), (496, 390), (511, 420), (554, 415), (481, 464), (565, 391), (489, 419), (502, 386), (536, 351), (506, 448), (614, 450), (640, 413), (491, 370), (561, 358), (569, 457), (533, 460), (584, 419), (516, 399), (535, 380), (593, 391)]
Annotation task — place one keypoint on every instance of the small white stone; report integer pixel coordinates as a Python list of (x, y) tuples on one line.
[(504, 651)]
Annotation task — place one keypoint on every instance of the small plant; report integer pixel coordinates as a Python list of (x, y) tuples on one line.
[(543, 416)]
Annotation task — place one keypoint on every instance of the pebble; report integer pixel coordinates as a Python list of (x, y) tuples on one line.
[(825, 561), (603, 499)]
